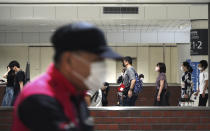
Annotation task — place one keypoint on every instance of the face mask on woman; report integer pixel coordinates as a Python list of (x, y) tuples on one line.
[(157, 68), (182, 68)]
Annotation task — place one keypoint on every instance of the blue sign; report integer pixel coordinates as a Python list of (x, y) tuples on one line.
[(195, 74)]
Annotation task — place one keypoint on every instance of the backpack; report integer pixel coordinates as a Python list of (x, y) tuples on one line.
[(138, 85), (95, 96)]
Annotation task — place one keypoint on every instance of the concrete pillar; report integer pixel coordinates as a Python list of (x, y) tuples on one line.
[(200, 24)]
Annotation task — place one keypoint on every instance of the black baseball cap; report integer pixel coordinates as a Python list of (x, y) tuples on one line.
[(82, 36)]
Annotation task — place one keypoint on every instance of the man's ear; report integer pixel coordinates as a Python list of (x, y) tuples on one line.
[(67, 57)]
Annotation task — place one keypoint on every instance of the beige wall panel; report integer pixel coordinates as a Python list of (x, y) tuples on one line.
[(143, 62), (46, 57), (35, 63), (111, 71), (156, 55), (174, 65), (127, 51), (168, 63)]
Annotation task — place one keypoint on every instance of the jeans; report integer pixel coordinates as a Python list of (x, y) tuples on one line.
[(8, 97), (130, 101)]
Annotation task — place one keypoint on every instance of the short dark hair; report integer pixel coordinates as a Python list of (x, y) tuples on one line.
[(128, 59), (14, 63), (106, 84), (162, 67), (204, 64), (141, 76)]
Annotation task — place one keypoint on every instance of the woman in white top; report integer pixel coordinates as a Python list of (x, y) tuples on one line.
[(203, 87)]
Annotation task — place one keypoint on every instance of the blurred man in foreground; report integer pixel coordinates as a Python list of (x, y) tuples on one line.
[(55, 100)]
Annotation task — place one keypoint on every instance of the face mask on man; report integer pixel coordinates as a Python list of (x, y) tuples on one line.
[(142, 79), (97, 75), (200, 68)]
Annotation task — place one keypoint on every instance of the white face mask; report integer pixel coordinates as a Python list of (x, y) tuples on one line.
[(182, 68), (157, 69), (199, 68), (142, 79), (97, 75)]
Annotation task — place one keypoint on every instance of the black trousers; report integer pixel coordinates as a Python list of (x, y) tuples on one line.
[(164, 98), (203, 101)]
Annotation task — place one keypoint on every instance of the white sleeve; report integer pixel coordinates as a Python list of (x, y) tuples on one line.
[(206, 76), (91, 92)]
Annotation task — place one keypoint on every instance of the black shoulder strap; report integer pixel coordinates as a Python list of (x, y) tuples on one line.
[(94, 95)]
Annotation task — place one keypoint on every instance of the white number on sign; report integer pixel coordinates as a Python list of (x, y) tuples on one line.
[(200, 44)]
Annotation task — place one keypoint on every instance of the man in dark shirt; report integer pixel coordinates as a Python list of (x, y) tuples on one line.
[(19, 79), (55, 100)]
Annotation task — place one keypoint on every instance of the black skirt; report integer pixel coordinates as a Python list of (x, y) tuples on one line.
[(164, 98)]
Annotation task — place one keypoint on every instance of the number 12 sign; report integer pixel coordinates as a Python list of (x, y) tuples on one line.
[(199, 42)]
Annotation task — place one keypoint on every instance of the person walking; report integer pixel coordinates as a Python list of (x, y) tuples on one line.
[(161, 95)]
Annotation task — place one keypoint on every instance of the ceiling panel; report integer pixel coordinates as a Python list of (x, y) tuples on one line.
[(66, 12), (89, 12), (181, 37), (44, 12), (13, 37), (166, 37), (4, 12), (149, 37), (32, 37), (132, 36), (109, 25), (178, 12), (22, 12), (199, 12), (155, 12), (2, 37)]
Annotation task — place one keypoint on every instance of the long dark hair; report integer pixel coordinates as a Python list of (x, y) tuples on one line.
[(187, 65)]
